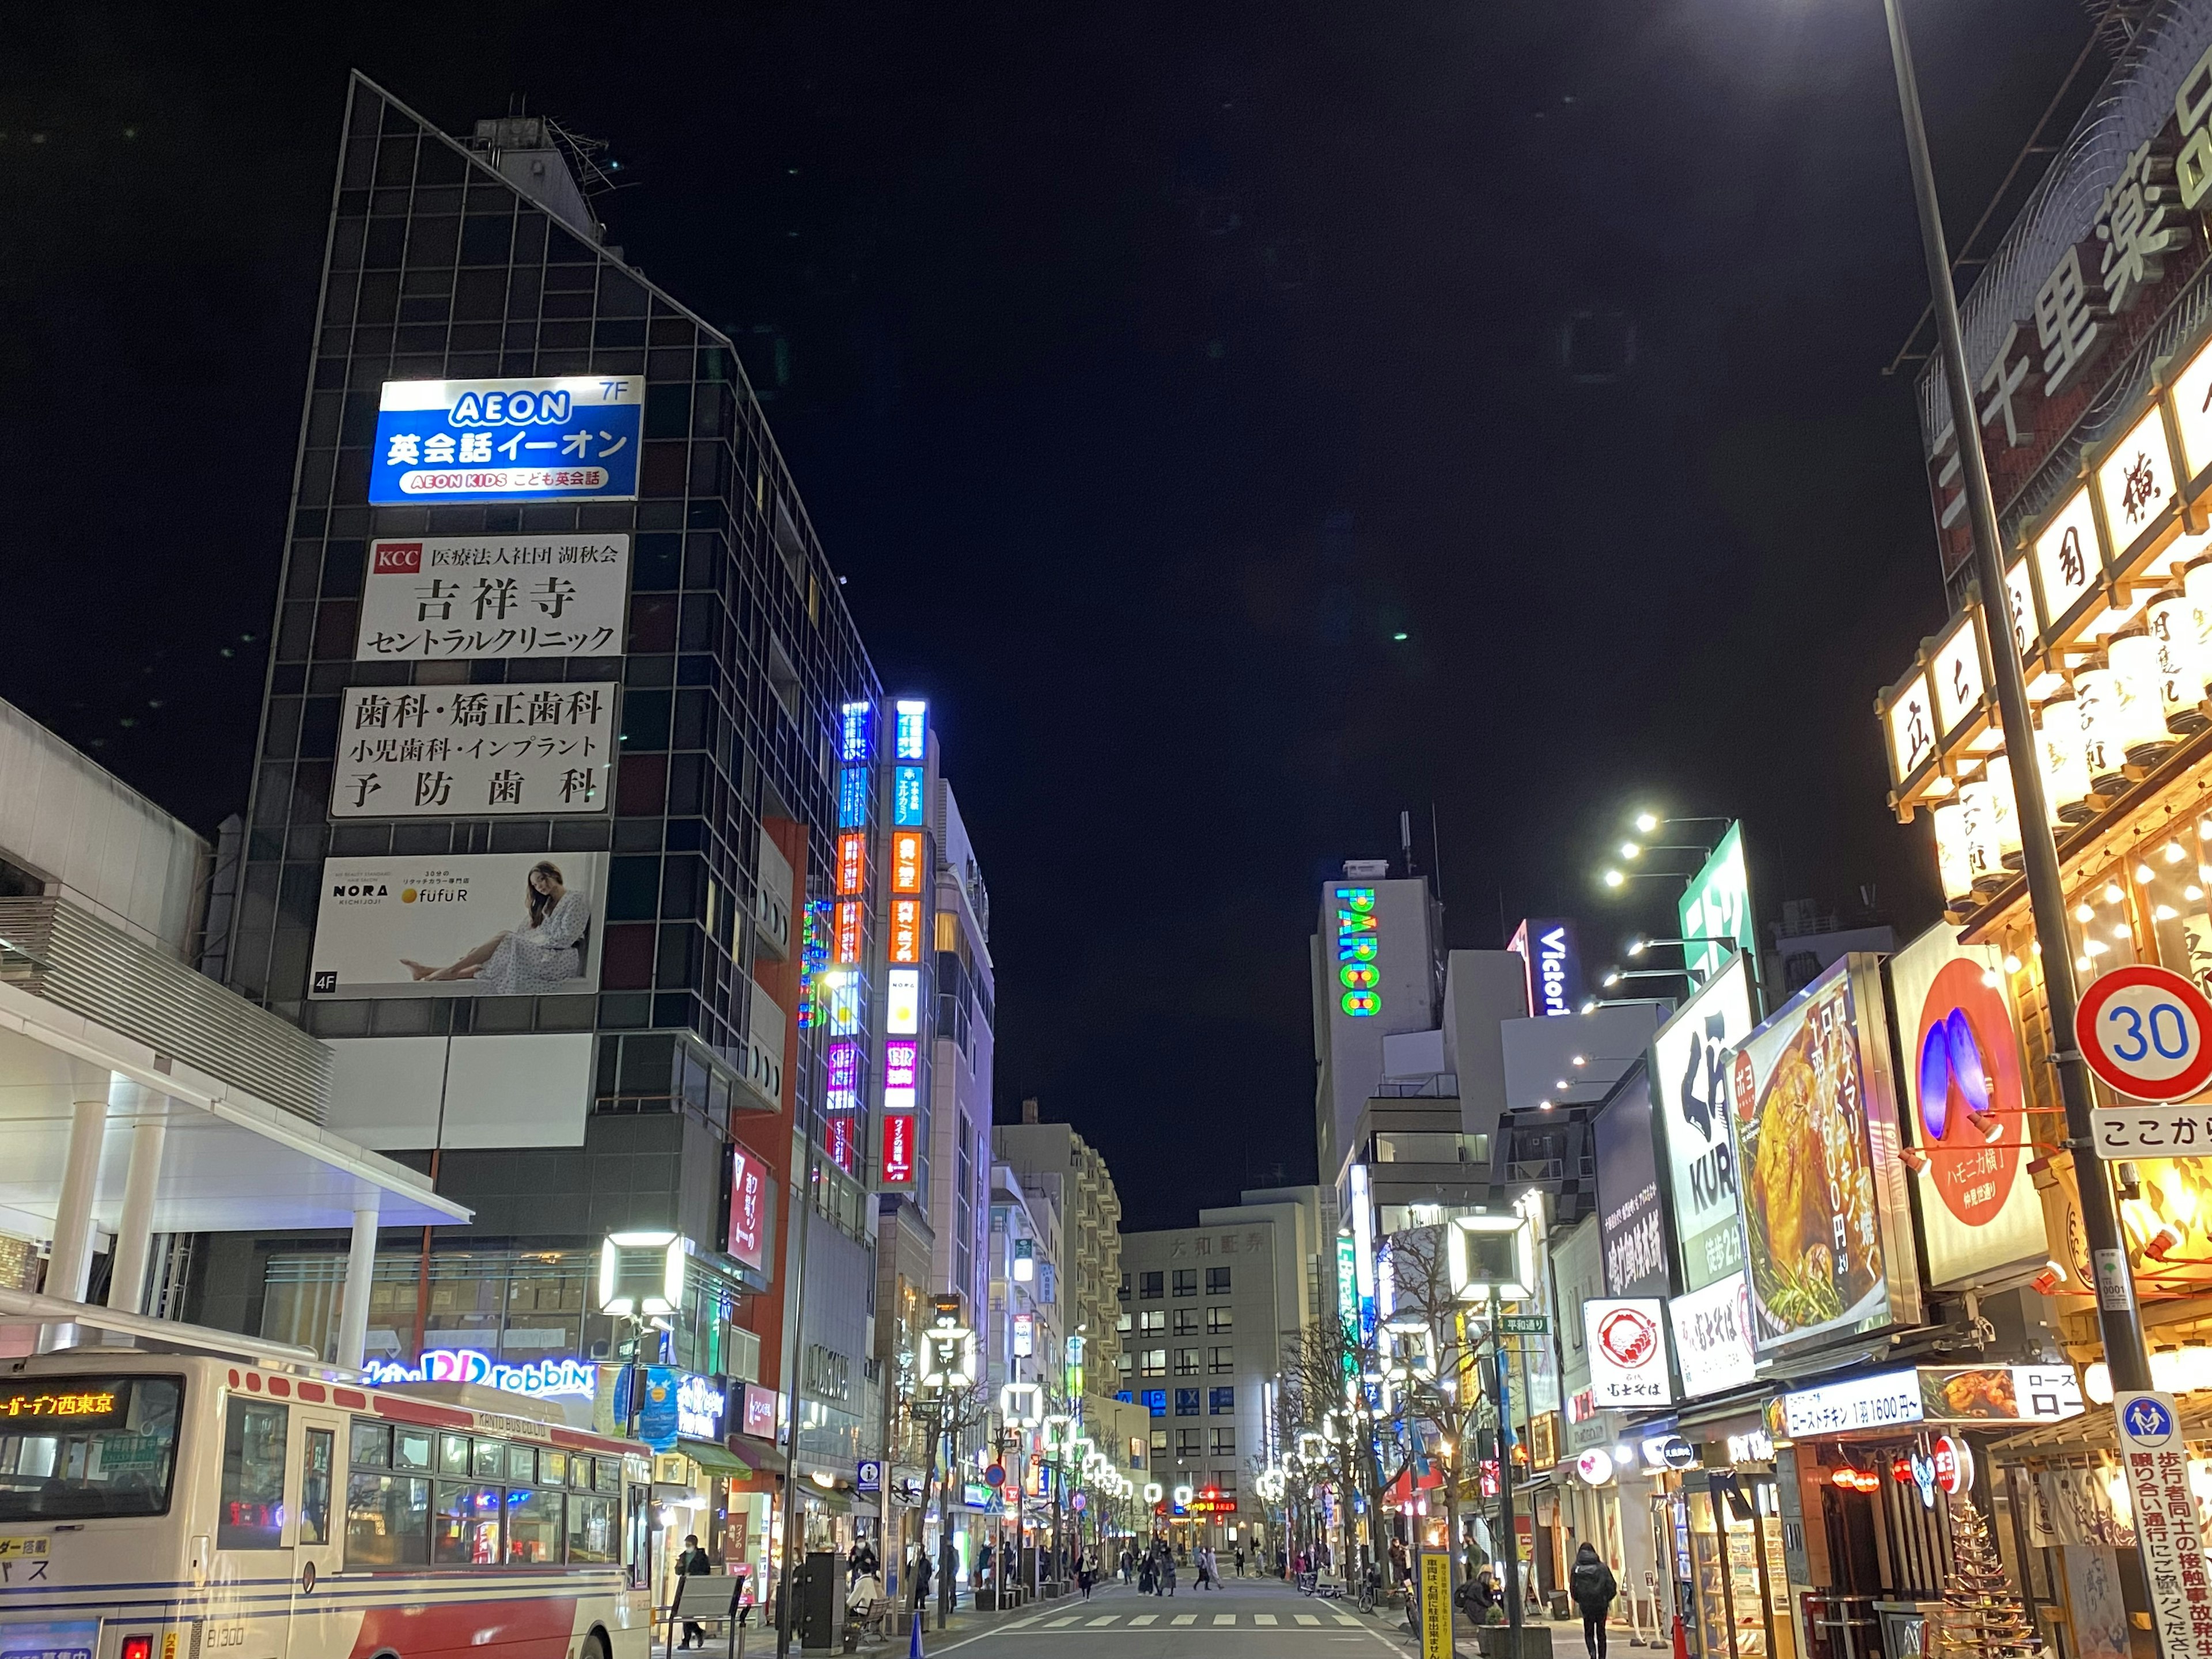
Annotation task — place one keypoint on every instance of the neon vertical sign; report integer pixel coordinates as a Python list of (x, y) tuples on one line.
[(1359, 949), (912, 730)]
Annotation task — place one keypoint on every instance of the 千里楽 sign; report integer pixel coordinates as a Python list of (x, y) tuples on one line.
[(2166, 1528), (2143, 1029), (457, 751), (1627, 1352), (463, 597), (508, 441)]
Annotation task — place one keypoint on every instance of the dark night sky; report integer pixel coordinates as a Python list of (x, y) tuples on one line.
[(1096, 316)]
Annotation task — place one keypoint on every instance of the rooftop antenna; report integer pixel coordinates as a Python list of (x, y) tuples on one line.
[(1405, 839)]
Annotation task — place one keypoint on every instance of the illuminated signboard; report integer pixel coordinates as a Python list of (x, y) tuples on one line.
[(852, 862), (906, 861), (540, 1379), (896, 1149), (760, 1412), (1024, 1335), (902, 1073), (1554, 969), (840, 1142), (78, 1404), (852, 798), (841, 1092), (913, 730), (856, 733), (906, 930), (699, 1408), (506, 440), (906, 792), (902, 1012), (1358, 969), (813, 956), (748, 1207), (845, 939), (842, 987)]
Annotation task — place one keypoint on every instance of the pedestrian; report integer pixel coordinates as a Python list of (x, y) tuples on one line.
[(1240, 1560), (1128, 1566), (919, 1575), (1170, 1566), (1486, 1594), (1086, 1576), (1592, 1585), (690, 1564)]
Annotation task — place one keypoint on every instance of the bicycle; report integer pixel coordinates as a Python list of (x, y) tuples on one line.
[(1366, 1602)]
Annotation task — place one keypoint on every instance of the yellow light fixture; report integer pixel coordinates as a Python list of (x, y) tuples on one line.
[(2085, 913), (2112, 893)]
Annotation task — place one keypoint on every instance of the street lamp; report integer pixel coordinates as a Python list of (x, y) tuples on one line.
[(2117, 1317), (1637, 943), (1614, 975)]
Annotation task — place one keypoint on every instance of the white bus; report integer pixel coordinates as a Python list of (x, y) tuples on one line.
[(182, 1506)]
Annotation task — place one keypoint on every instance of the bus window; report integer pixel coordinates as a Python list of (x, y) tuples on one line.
[(579, 1473), (591, 1531), (465, 1528), (454, 1456), (491, 1460), (387, 1522), (607, 1477), (82, 1449), (533, 1527), (521, 1466), (315, 1487), (252, 1514), (372, 1445), (411, 1450), (553, 1466)]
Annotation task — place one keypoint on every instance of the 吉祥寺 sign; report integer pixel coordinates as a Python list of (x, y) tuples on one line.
[(508, 441), (2166, 1528), (461, 596), (454, 752), (2143, 1029)]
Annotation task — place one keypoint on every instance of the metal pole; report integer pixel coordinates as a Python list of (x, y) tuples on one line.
[(785, 1620), (1513, 1611), (2117, 1318)]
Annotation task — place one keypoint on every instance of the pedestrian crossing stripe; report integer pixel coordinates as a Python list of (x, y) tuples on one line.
[(1305, 1619), (1184, 1619), (1263, 1618), (1095, 1623), (1346, 1619), (1224, 1618), (1143, 1619), (1055, 1623)]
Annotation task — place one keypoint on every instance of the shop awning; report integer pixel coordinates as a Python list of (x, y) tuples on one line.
[(2094, 1432), (714, 1458)]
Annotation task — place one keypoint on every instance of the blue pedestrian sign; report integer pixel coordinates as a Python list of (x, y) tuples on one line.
[(869, 1476), (508, 441), (2148, 1422)]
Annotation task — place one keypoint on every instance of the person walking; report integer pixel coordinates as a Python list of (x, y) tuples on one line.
[(918, 1575), (692, 1563), (1168, 1566), (1592, 1586), (1240, 1560)]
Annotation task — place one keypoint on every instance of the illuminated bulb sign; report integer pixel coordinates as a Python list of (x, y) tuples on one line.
[(1024, 1260), (1359, 950), (906, 790), (895, 1162), (902, 1012)]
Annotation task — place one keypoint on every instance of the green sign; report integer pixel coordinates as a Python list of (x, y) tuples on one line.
[(1525, 1324), (1716, 905)]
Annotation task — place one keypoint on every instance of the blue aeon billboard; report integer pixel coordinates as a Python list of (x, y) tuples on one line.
[(508, 441)]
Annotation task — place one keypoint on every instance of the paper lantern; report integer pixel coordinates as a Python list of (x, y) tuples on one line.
[(2133, 658), (2197, 589), (2065, 778), (2173, 620), (1985, 862), (1954, 870), (2097, 705), (2004, 802)]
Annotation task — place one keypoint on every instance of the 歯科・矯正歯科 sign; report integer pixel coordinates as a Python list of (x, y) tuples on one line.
[(508, 441)]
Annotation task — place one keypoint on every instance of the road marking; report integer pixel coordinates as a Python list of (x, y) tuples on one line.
[(1142, 1619), (1096, 1623), (1055, 1623), (1346, 1619), (1220, 1618), (1184, 1619), (1305, 1619), (1263, 1618)]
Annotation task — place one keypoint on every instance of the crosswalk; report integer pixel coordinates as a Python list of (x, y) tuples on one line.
[(1074, 1621)]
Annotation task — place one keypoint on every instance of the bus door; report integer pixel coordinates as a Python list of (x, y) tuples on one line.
[(322, 1626), (247, 1616)]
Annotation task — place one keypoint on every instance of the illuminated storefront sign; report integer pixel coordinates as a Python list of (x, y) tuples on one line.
[(1358, 953), (901, 1073), (1716, 906), (841, 1078), (845, 942), (852, 862), (540, 1379), (853, 798), (913, 730), (906, 930), (856, 733), (902, 1011), (747, 1206), (699, 1405), (906, 861), (895, 1157), (506, 440), (841, 987), (907, 796), (1554, 966), (1024, 1335)]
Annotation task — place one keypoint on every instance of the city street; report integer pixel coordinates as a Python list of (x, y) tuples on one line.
[(1128, 1625)]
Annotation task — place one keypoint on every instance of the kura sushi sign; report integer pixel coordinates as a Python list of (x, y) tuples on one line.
[(1627, 1353)]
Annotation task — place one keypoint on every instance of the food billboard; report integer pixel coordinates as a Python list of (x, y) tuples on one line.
[(1826, 1229)]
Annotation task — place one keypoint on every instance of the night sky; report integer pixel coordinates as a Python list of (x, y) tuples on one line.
[(1147, 370)]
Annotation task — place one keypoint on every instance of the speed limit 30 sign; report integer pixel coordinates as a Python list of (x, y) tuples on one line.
[(2147, 1032)]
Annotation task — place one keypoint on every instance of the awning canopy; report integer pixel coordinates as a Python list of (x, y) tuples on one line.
[(715, 1458)]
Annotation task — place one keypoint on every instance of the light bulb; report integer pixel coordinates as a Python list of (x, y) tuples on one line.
[(2142, 874), (2193, 893), (2174, 853), (1615, 878), (1647, 822), (2085, 913), (2011, 963), (2096, 947), (2083, 964), (2112, 894), (2165, 912), (2124, 935)]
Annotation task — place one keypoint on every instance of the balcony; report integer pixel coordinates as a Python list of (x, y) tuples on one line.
[(68, 957)]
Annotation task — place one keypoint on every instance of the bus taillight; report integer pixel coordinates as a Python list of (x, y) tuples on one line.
[(137, 1647)]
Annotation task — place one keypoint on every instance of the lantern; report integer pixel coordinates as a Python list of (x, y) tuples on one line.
[(1953, 866), (2005, 801), (1984, 859), (2133, 657), (2097, 704), (2197, 589), (2174, 630), (2065, 778)]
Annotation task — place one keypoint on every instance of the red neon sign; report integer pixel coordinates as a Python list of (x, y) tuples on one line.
[(897, 1149)]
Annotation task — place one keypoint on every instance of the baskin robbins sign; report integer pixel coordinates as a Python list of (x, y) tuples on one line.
[(508, 441)]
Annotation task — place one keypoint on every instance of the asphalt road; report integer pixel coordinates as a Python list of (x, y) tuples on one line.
[(1254, 1618)]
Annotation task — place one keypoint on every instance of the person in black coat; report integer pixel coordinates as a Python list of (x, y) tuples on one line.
[(692, 1562), (1591, 1585)]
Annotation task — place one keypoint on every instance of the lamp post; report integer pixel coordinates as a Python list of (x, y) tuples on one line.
[(2117, 1317)]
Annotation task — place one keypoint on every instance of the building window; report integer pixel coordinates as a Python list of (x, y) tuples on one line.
[(1153, 1322), (1125, 1367), (1159, 1444), (1156, 1401), (1186, 1402), (1124, 1291), (1225, 1481), (1221, 1361), (1155, 1362), (1221, 1402), (1217, 1281), (1189, 1443), (1148, 1286), (1186, 1321), (1186, 1281), (1186, 1362), (1125, 1322), (1224, 1443), (1220, 1320)]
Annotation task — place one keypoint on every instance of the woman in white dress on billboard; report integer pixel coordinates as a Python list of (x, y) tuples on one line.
[(544, 955)]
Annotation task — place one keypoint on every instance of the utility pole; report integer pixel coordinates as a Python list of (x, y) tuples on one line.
[(1502, 1371)]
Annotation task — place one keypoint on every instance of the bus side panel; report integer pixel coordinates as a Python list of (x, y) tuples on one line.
[(534, 1628)]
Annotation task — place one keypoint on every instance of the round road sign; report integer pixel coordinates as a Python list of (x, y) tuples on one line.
[(995, 1476), (2147, 1032)]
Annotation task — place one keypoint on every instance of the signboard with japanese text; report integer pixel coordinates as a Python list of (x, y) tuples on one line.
[(436, 598), (1716, 905), (895, 1168), (2129, 1133), (2167, 1531), (1689, 1091), (1629, 1215), (1966, 1107), (1712, 1337), (1436, 1614), (508, 441), (465, 924), (43, 1638), (457, 751), (1628, 1351), (1886, 1401), (749, 1219), (1827, 1226)]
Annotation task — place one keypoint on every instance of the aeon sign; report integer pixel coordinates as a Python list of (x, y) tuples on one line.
[(1358, 953)]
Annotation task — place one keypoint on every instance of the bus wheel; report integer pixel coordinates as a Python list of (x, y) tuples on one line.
[(595, 1646)]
